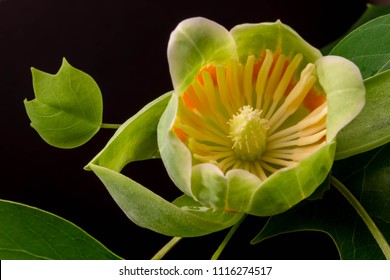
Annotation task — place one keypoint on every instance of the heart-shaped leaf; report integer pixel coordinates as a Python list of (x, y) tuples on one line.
[(67, 109), (31, 233)]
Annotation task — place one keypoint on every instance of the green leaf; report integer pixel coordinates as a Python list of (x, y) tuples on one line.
[(30, 233), (371, 128), (367, 177), (368, 46), (136, 139), (67, 109), (372, 12), (148, 210)]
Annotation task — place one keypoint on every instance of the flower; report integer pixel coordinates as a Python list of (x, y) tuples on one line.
[(251, 125)]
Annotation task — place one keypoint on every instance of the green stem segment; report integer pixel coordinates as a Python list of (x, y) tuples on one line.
[(376, 233), (164, 250), (110, 125), (227, 239)]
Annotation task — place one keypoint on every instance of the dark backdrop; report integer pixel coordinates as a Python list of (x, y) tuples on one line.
[(122, 45)]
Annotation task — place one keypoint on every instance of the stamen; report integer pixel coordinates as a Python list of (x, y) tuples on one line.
[(223, 91), (318, 115), (299, 142), (227, 163), (295, 154), (262, 77), (247, 80), (233, 87), (309, 130), (212, 158), (279, 161), (283, 84), (203, 135), (273, 81), (260, 171), (294, 99), (201, 148), (196, 120), (211, 96), (268, 167), (231, 115)]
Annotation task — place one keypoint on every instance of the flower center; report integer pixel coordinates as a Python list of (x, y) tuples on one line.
[(248, 132), (260, 116)]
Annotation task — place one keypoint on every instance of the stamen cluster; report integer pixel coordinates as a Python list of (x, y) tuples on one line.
[(258, 117)]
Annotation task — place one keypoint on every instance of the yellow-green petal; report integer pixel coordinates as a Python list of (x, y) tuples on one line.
[(174, 154), (195, 43), (345, 91), (245, 187), (251, 39), (241, 191)]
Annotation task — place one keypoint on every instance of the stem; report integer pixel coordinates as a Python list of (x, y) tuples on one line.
[(376, 233), (110, 125), (160, 254), (222, 246)]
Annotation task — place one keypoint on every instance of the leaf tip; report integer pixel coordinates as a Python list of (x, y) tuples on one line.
[(65, 62)]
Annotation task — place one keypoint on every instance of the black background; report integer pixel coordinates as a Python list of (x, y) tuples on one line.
[(122, 45)]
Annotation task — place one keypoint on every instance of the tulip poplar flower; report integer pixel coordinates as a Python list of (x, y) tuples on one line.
[(251, 126)]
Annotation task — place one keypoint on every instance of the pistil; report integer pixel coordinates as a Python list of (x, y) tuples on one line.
[(248, 132)]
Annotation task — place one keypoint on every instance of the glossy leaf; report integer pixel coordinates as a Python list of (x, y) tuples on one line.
[(368, 46), (30, 233), (147, 209), (372, 12), (371, 128), (367, 177), (67, 109)]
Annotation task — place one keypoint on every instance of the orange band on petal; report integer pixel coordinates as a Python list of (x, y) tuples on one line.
[(180, 134), (210, 69), (313, 100)]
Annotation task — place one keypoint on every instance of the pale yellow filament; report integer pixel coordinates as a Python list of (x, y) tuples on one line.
[(266, 84)]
